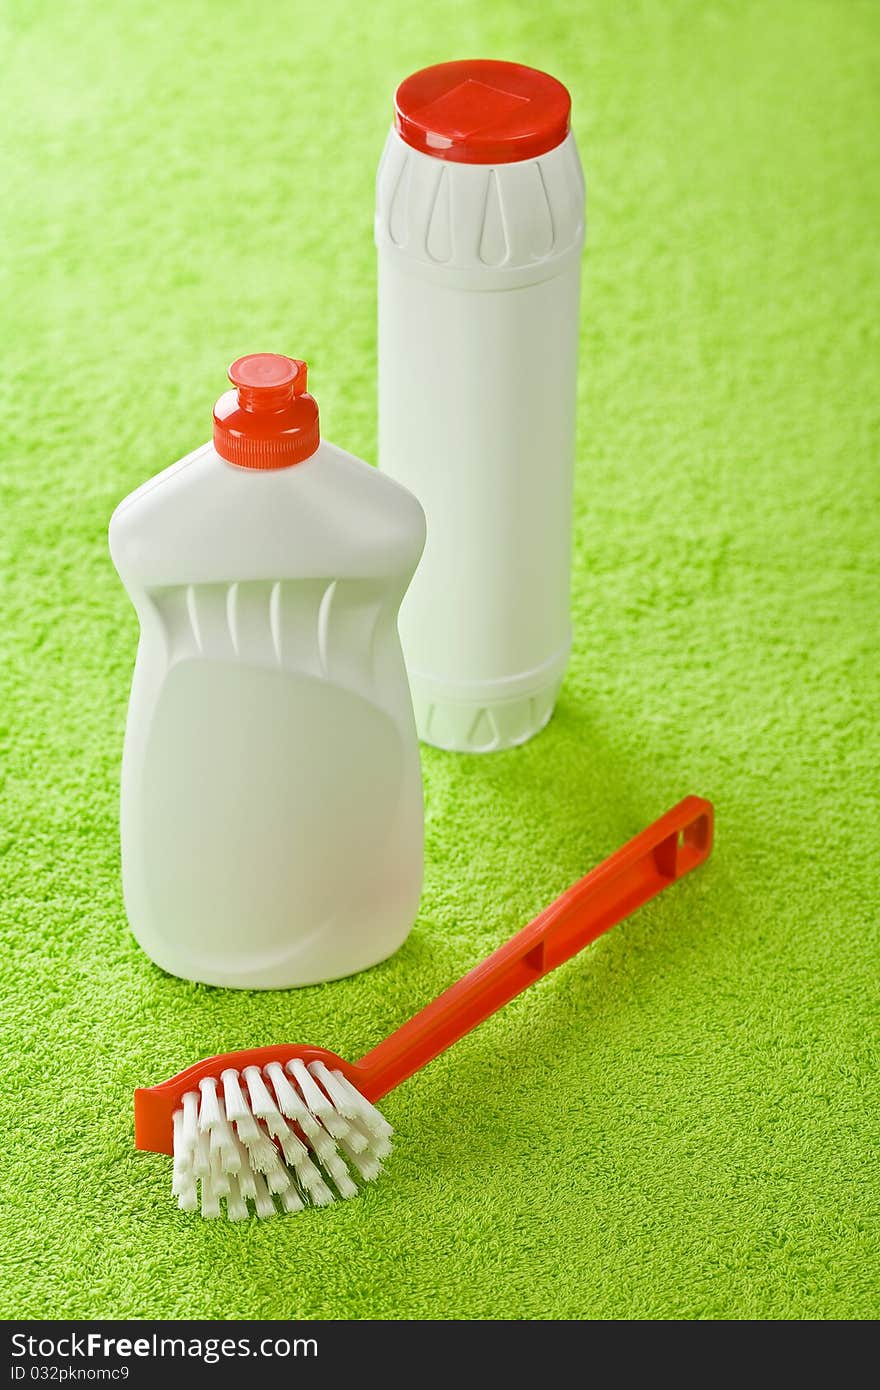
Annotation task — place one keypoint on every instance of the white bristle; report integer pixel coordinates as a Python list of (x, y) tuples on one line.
[(381, 1148), (338, 1093), (182, 1159), (246, 1183), (348, 1188), (276, 1125), (335, 1166), (221, 1130), (210, 1200), (341, 1177), (236, 1206), (331, 1117), (314, 1097), (357, 1137), (190, 1130), (290, 1102), (320, 1141), (335, 1125), (363, 1163), (223, 1147), (262, 1104), (294, 1149), (230, 1157), (308, 1174), (262, 1154), (188, 1197), (247, 1129), (220, 1181), (373, 1118), (291, 1200), (232, 1138), (201, 1165), (320, 1195), (237, 1107), (314, 1130), (262, 1200), (277, 1179), (209, 1110)]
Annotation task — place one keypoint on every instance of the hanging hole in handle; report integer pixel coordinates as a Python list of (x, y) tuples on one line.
[(693, 843), (696, 835), (684, 848)]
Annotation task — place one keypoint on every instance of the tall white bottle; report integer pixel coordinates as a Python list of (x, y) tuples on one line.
[(479, 228), (271, 790)]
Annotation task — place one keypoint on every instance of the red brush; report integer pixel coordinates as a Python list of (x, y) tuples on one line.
[(300, 1123)]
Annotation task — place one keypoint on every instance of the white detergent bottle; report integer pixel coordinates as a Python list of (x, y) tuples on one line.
[(272, 814), (479, 228)]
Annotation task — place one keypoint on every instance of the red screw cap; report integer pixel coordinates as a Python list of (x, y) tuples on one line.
[(269, 420), (482, 112)]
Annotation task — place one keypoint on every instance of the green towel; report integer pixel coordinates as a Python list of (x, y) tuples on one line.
[(679, 1123)]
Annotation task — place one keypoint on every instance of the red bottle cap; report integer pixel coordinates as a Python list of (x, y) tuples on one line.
[(269, 420), (482, 112)]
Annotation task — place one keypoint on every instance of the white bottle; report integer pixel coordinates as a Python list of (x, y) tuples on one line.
[(271, 790), (479, 228)]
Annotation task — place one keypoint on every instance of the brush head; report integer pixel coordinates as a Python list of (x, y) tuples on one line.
[(272, 1123)]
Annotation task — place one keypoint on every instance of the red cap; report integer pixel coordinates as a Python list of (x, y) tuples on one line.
[(269, 421), (482, 112)]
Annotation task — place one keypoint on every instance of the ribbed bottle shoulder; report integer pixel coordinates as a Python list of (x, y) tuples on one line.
[(505, 223)]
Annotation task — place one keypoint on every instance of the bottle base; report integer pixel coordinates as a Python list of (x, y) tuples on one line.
[(204, 973), (482, 726)]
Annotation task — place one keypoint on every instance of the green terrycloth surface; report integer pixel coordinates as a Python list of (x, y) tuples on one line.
[(681, 1122)]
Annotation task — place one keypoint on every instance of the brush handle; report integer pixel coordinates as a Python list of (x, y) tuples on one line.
[(668, 849)]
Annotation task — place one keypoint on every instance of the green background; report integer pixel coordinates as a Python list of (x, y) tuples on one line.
[(681, 1122)]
